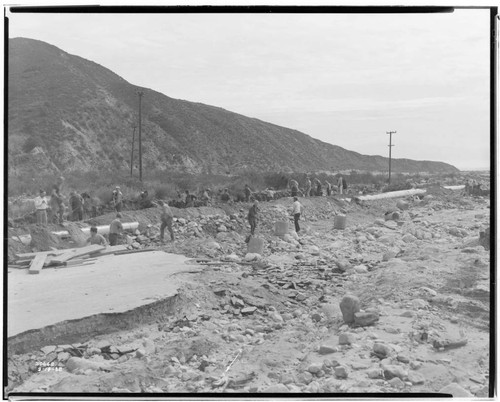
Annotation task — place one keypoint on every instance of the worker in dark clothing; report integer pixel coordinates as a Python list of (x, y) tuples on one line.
[(252, 216), (76, 205), (115, 229), (225, 196), (294, 187)]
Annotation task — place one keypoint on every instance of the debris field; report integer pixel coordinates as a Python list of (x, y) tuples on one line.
[(397, 301)]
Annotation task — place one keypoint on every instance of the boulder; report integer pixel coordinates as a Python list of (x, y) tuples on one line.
[(349, 306)]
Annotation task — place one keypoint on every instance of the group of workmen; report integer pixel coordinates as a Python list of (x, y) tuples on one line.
[(53, 209), (315, 188)]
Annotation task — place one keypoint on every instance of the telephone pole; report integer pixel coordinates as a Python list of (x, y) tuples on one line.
[(390, 149), (140, 94), (132, 152)]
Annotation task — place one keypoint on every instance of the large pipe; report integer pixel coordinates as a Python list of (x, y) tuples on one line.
[(461, 187), (26, 239), (392, 194)]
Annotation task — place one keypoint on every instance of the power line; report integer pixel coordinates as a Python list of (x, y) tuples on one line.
[(390, 149)]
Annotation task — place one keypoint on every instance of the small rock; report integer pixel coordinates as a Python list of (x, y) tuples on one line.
[(77, 363), (415, 365), (346, 339), (251, 257), (396, 383), (408, 238), (391, 371), (314, 368), (381, 350), (415, 378), (341, 372), (248, 310), (327, 349), (304, 378), (63, 356), (316, 317), (314, 250), (455, 390), (365, 319), (349, 305), (361, 269), (48, 349), (375, 373), (418, 304), (313, 387), (300, 297), (403, 358)]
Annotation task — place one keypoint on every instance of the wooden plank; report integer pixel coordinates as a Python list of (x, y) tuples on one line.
[(144, 250), (79, 261), (78, 253), (51, 252), (111, 250), (37, 264)]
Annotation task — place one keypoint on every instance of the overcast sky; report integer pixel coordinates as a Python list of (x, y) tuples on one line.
[(344, 79)]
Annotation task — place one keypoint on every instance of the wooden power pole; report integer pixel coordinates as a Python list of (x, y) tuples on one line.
[(140, 94), (390, 149), (132, 152)]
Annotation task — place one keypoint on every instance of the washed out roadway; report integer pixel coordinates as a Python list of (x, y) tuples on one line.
[(114, 284)]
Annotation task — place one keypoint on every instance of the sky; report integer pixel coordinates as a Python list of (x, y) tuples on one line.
[(345, 79)]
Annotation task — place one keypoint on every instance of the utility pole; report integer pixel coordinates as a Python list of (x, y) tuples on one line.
[(390, 149), (140, 94), (132, 152)]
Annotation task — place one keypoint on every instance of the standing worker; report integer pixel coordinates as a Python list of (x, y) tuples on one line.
[(117, 199), (248, 192), (328, 188), (76, 205), (41, 205), (167, 218), (297, 208), (56, 206), (252, 216), (115, 229)]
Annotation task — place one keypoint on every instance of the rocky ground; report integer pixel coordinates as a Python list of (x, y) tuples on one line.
[(380, 306)]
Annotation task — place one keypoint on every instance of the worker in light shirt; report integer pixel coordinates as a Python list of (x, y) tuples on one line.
[(297, 208), (41, 206)]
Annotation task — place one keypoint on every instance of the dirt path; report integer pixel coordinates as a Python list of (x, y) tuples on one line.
[(275, 325)]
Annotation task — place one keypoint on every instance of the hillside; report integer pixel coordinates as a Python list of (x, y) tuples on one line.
[(76, 115)]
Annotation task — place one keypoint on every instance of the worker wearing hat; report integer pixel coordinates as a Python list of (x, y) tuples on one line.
[(117, 199)]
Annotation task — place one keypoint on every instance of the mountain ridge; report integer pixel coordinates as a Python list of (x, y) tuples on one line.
[(82, 114)]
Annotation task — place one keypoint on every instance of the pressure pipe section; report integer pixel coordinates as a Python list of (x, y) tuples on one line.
[(104, 229)]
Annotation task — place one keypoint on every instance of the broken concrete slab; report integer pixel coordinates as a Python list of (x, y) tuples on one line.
[(107, 287)]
